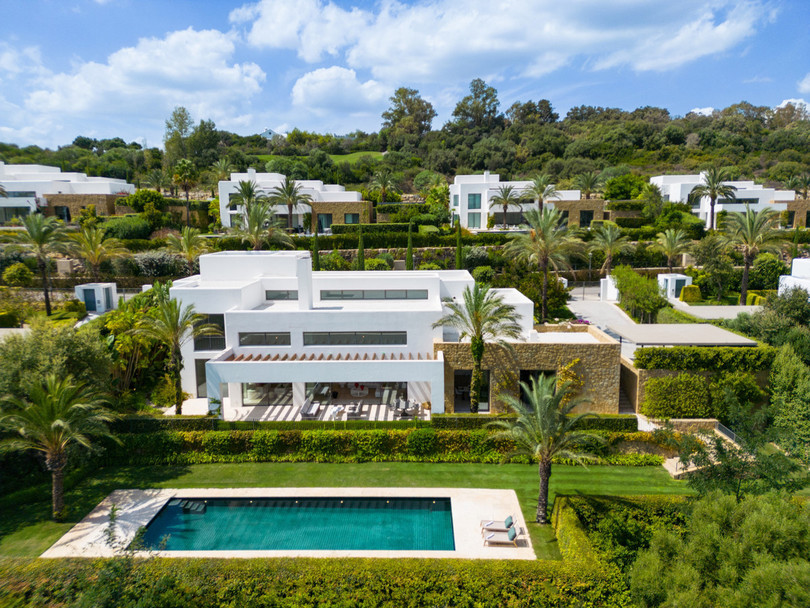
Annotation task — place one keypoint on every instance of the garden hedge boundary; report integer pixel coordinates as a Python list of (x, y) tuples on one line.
[(369, 228), (572, 540), (705, 358), (603, 422), (287, 582)]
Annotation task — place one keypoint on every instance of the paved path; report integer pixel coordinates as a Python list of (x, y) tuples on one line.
[(605, 315)]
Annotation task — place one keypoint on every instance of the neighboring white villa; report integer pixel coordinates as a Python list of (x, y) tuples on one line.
[(28, 187), (293, 337), (470, 197), (676, 189), (266, 182), (799, 277)]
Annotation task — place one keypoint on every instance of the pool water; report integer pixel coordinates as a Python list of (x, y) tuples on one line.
[(261, 524)]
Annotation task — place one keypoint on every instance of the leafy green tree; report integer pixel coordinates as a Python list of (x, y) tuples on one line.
[(639, 296), (189, 244), (479, 109), (531, 112), (18, 275), (608, 240), (43, 236), (672, 243), (752, 232), (94, 248), (588, 183), (714, 187), (175, 137), (172, 324), (483, 317), (790, 401), (408, 113), (711, 253), (289, 194), (138, 200), (653, 201), (56, 413), (383, 182), (545, 429), (185, 176), (409, 251), (547, 244), (361, 250), (259, 224), (316, 252), (459, 248), (541, 189), (624, 187), (505, 197)]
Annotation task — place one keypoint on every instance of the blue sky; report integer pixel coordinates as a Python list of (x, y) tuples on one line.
[(105, 68)]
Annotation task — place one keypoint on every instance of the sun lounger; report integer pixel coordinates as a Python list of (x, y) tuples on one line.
[(503, 538), (310, 409), (498, 525), (354, 411)]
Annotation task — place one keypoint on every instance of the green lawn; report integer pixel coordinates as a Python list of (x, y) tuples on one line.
[(336, 158), (730, 299), (25, 528)]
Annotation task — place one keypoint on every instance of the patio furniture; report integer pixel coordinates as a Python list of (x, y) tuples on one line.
[(354, 411), (310, 409), (503, 538), (488, 525), (359, 392)]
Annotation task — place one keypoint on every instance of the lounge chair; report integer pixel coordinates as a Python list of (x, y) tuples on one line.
[(354, 411), (488, 525), (504, 538), (310, 409)]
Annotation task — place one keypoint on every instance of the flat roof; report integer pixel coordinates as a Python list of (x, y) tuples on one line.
[(562, 337), (681, 334)]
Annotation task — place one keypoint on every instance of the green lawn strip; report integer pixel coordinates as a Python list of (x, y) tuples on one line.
[(26, 531)]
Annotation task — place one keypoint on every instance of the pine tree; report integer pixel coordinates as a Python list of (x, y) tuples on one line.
[(361, 250), (459, 259), (409, 254)]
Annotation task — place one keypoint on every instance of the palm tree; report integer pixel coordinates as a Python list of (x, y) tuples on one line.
[(714, 187), (44, 236), (247, 193), (157, 179), (542, 190), (672, 242), (608, 239), (59, 412), (91, 245), (588, 182), (190, 244), (482, 317), (185, 176), (173, 325), (289, 193), (383, 182), (753, 232), (544, 429), (3, 193), (258, 225), (506, 196), (221, 169), (800, 184), (547, 244)]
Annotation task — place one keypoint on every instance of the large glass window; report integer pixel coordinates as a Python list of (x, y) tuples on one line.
[(374, 294), (355, 338), (324, 221), (199, 370), (266, 393), (216, 342), (473, 201), (257, 338), (455, 200), (473, 220), (280, 294), (351, 218)]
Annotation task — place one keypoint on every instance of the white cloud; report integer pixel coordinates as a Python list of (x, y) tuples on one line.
[(798, 102), (804, 84), (702, 111), (337, 90)]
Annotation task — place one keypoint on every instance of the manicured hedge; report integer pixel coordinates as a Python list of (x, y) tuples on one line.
[(631, 222), (607, 422), (630, 205), (300, 582), (682, 396), (572, 541), (705, 358), (143, 424), (397, 207), (368, 228)]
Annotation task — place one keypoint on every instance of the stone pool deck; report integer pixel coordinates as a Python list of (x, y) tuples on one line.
[(136, 508)]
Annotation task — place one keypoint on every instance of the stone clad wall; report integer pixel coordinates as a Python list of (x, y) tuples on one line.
[(597, 205), (599, 367), (338, 210), (105, 203)]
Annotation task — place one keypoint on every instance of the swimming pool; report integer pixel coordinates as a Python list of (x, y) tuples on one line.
[(347, 523)]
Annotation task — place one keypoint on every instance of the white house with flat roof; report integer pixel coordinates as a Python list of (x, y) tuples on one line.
[(266, 182), (676, 189), (295, 338), (799, 277), (28, 187), (471, 200)]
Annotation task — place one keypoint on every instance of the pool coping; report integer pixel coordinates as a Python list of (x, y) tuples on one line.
[(136, 508)]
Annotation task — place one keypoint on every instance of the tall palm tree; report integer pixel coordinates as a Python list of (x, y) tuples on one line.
[(608, 239), (3, 193), (289, 193), (483, 317), (714, 187), (43, 236), (190, 244), (800, 184), (588, 183), (247, 193), (672, 242), (548, 244), (383, 181), (185, 176), (58, 412), (172, 324), (541, 189), (258, 225), (221, 169), (157, 179), (506, 196), (91, 245), (545, 429), (752, 232)]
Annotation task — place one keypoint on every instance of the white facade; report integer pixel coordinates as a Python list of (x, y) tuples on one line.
[(266, 182), (676, 189), (471, 196), (287, 326), (97, 297), (28, 187), (799, 277), (672, 283)]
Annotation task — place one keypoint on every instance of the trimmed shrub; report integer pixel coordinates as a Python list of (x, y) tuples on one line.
[(159, 264), (127, 227), (18, 275), (422, 442), (377, 264), (573, 542), (368, 228), (138, 200), (690, 293), (9, 319), (605, 422), (627, 205), (483, 274), (681, 396), (705, 358), (631, 222), (476, 256)]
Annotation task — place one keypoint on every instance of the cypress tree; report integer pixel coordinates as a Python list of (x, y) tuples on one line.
[(459, 260), (361, 250), (409, 254), (316, 254)]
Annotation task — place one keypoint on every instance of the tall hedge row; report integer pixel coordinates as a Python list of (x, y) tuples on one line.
[(705, 358)]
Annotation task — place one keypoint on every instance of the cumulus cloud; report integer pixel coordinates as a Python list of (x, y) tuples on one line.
[(804, 84), (337, 89), (702, 111), (798, 102)]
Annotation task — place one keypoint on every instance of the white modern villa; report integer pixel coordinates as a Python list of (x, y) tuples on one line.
[(309, 341), (30, 186), (799, 277), (676, 189), (471, 200), (318, 191)]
